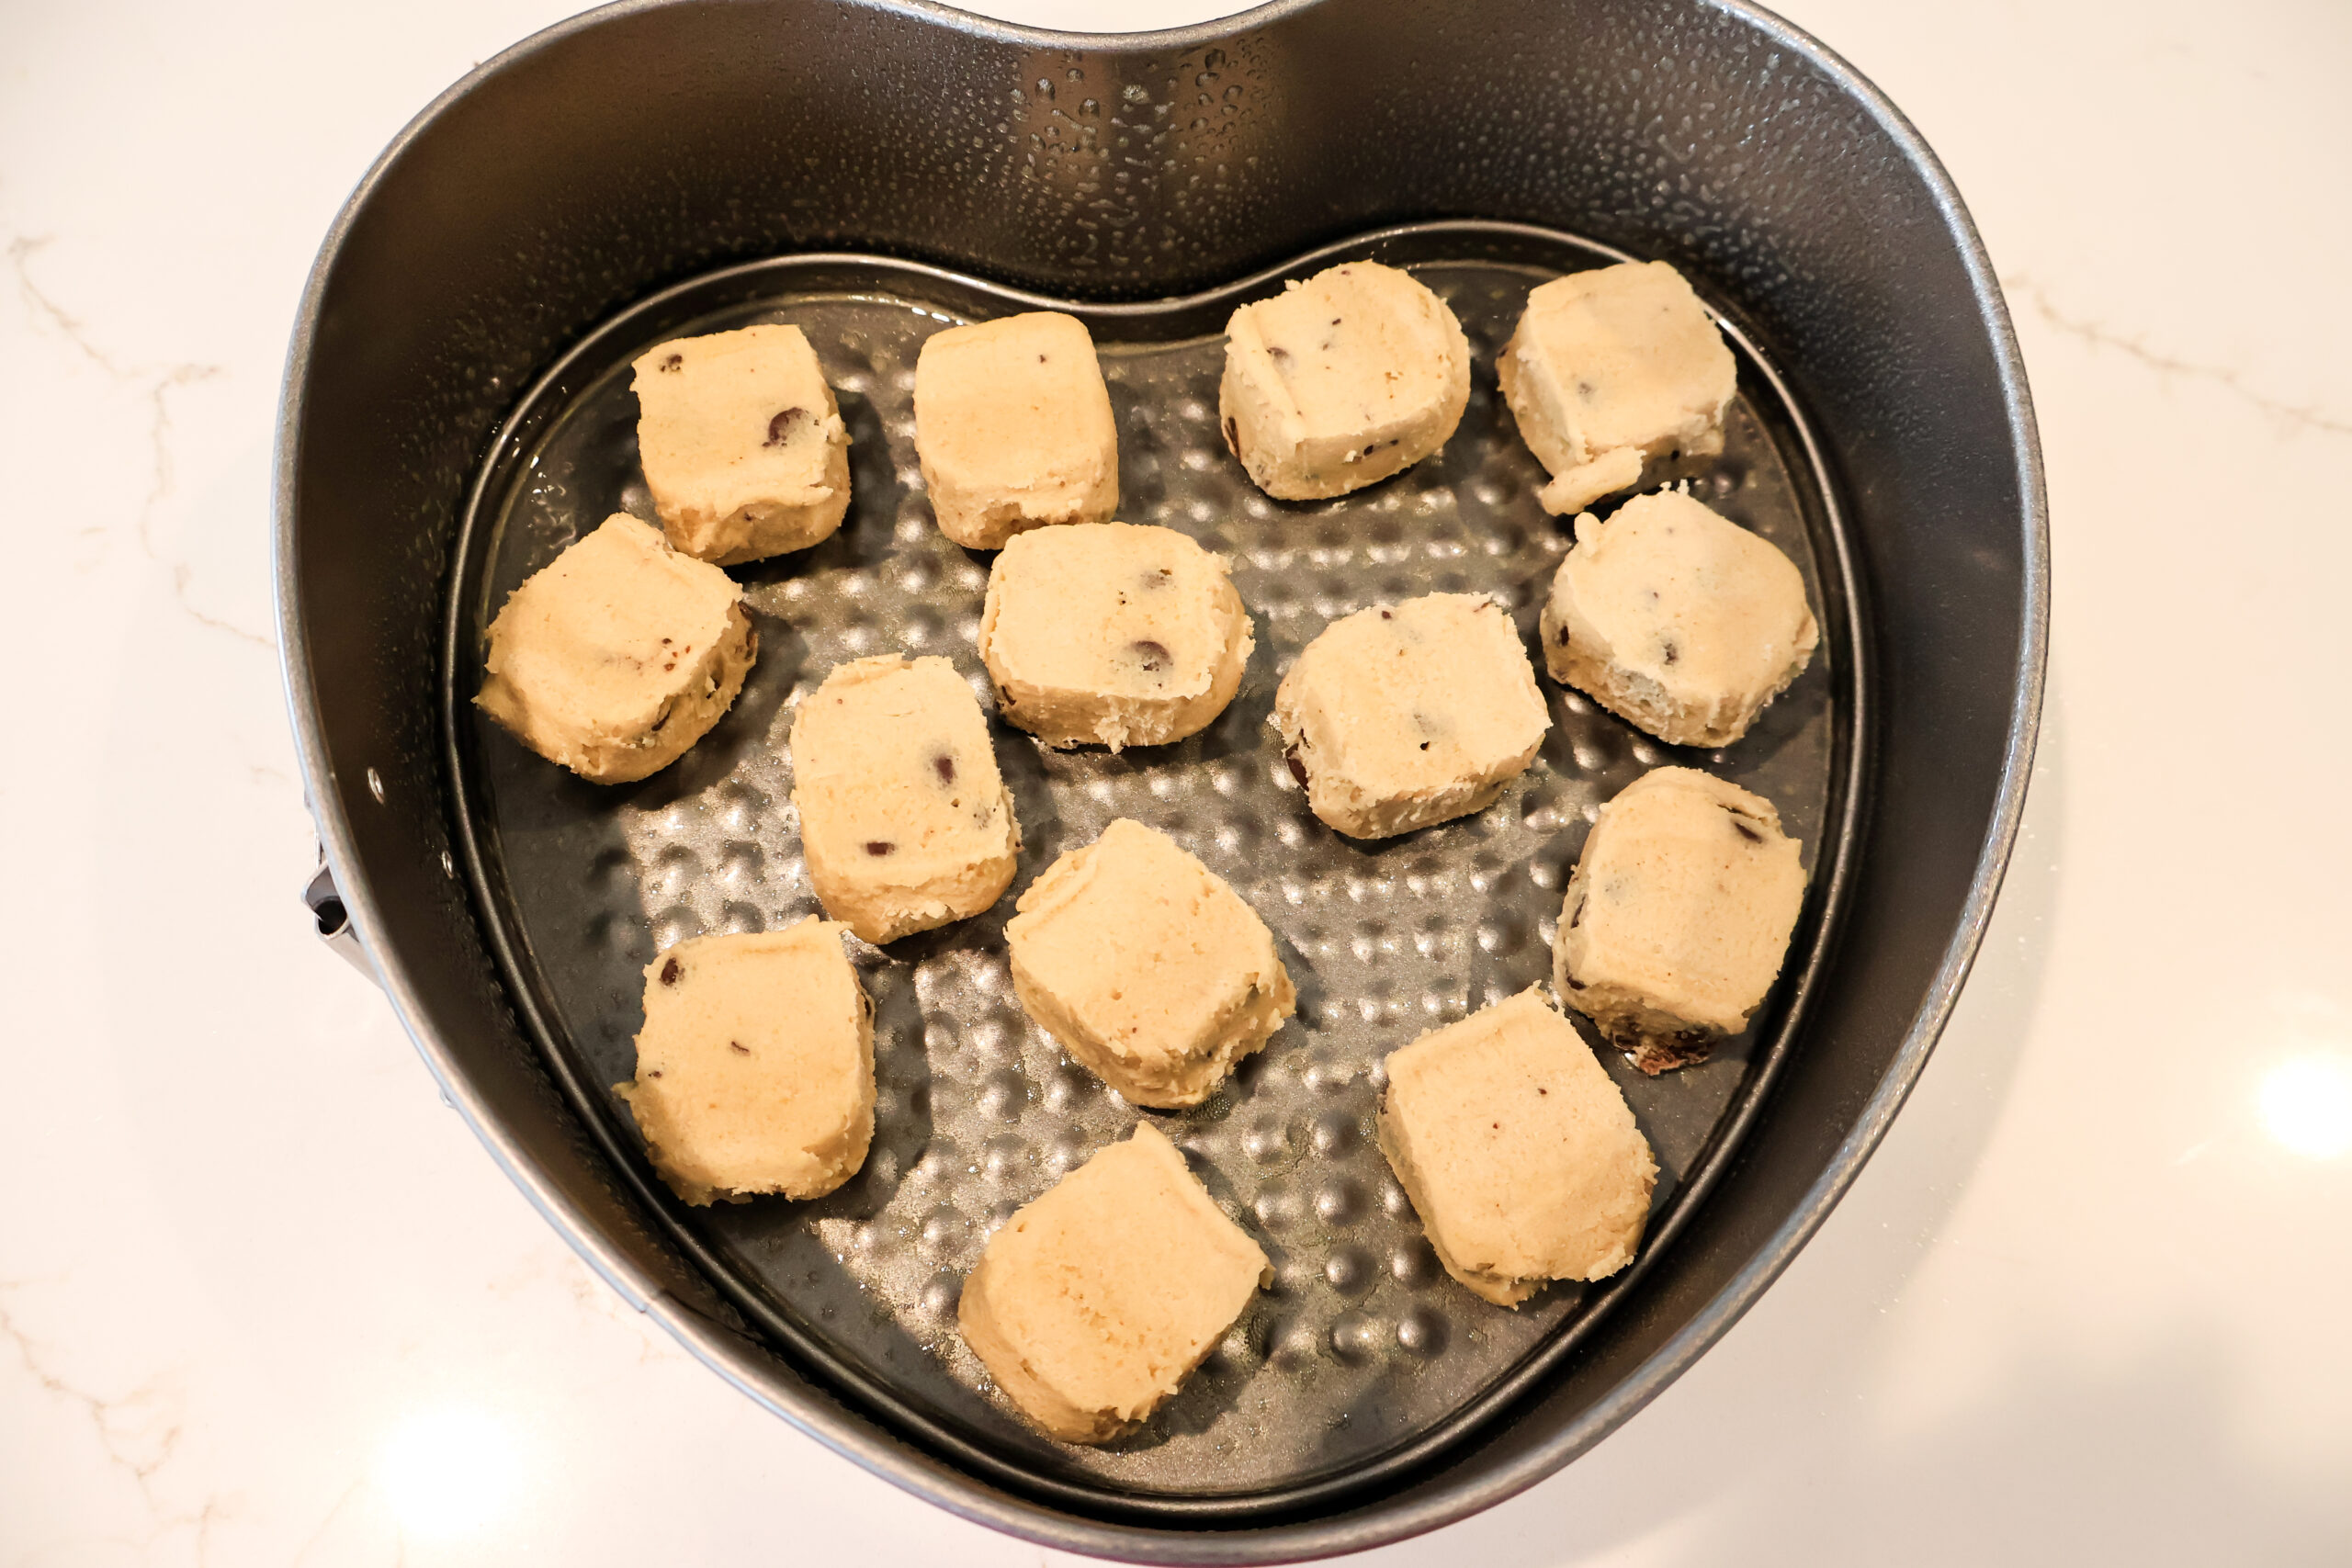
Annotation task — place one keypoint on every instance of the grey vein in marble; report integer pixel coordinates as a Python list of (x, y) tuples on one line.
[(158, 385), (2307, 416)]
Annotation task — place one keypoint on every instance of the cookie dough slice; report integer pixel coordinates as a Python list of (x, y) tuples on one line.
[(1610, 368), (1112, 633), (1146, 967), (1092, 1305), (619, 654), (1013, 427), (1405, 715), (1676, 619), (1518, 1151), (743, 447), (1678, 918), (755, 1067), (905, 821), (1342, 380)]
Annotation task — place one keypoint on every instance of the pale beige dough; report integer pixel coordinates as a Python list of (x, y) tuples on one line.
[(1356, 374), (742, 444), (1678, 918), (905, 821), (1610, 368), (618, 655), (1518, 1151), (1094, 1303), (1146, 967), (1676, 619), (755, 1067), (1013, 427), (1405, 715), (1110, 633)]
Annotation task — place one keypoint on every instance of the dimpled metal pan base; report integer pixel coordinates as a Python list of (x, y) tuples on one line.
[(1364, 1357)]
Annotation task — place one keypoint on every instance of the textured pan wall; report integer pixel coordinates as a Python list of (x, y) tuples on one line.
[(641, 145)]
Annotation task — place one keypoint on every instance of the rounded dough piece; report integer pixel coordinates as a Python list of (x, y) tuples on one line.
[(905, 821), (1092, 1305), (742, 444), (615, 658), (1147, 967), (755, 1067), (1676, 919), (1518, 1151), (1337, 382), (1013, 428), (1678, 620), (1405, 715), (1113, 634), (1610, 368)]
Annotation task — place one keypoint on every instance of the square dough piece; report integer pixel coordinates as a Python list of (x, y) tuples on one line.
[(1405, 715), (1340, 381), (743, 447), (617, 655), (1145, 966), (904, 820), (1094, 1303), (1110, 633), (1678, 620), (1013, 427), (1518, 1151), (1678, 918), (1610, 368), (755, 1067)]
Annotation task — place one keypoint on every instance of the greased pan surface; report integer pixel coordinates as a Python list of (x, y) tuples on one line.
[(1364, 1357)]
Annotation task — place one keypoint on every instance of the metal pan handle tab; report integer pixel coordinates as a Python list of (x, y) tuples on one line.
[(326, 906)]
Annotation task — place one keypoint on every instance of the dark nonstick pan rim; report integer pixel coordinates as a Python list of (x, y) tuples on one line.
[(741, 1361)]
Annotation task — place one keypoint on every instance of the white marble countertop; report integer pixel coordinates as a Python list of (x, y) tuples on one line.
[(264, 1301)]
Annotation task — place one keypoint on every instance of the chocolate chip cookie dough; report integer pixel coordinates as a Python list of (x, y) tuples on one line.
[(1356, 374), (618, 655), (1678, 918), (1676, 619), (904, 820), (755, 1067), (1610, 368), (1013, 428), (1404, 715), (1146, 967), (742, 444), (1113, 634), (1517, 1150), (1094, 1303)]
